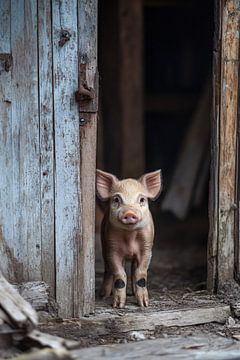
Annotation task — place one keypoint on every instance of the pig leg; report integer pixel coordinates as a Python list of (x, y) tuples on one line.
[(119, 282), (140, 281), (106, 288), (133, 279)]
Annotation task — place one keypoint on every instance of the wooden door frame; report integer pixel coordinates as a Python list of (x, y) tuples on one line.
[(223, 237)]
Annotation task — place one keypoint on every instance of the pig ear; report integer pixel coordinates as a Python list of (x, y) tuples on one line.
[(104, 183), (153, 183)]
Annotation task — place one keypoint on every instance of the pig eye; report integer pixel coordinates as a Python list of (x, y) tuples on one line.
[(116, 200), (142, 200)]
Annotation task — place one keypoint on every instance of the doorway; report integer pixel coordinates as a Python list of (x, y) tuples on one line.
[(173, 131)]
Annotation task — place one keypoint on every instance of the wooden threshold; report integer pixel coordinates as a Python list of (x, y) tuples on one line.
[(107, 323)]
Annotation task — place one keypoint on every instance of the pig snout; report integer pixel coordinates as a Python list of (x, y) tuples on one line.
[(129, 217)]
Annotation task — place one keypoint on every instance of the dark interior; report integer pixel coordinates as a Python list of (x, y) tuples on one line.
[(177, 57)]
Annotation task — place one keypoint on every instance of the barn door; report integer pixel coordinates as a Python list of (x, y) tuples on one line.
[(223, 249), (47, 147)]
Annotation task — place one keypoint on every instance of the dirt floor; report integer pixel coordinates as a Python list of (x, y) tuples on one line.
[(177, 279)]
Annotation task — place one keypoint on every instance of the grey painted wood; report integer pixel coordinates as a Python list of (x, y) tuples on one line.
[(46, 142), (20, 190), (25, 133), (87, 13), (6, 221), (67, 156)]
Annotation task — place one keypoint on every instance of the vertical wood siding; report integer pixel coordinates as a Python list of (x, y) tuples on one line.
[(47, 190), (46, 141), (67, 155), (228, 136), (25, 198), (87, 13), (6, 221), (224, 147)]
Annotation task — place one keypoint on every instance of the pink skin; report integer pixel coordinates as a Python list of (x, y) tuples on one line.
[(127, 233)]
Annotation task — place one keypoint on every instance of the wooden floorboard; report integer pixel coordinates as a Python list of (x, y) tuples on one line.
[(193, 347), (104, 322)]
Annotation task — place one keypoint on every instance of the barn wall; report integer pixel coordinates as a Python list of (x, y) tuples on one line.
[(43, 195)]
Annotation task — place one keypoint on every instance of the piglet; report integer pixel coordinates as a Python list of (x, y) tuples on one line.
[(127, 233)]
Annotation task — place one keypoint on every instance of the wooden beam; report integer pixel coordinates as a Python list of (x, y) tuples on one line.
[(103, 324), (228, 120), (131, 87), (85, 252), (214, 161)]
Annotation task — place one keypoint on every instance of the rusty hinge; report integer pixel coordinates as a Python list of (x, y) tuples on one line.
[(86, 96)]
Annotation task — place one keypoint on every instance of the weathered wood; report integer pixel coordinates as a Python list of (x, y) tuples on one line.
[(6, 161), (131, 87), (38, 339), (202, 347), (67, 156), (227, 140), (46, 354), (18, 311), (26, 240), (87, 14), (179, 194), (103, 324), (36, 293), (214, 163), (46, 127)]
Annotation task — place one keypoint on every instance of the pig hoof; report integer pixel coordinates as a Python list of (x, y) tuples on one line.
[(119, 301), (105, 293), (142, 297)]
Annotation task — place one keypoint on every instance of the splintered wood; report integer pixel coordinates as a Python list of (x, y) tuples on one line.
[(17, 312)]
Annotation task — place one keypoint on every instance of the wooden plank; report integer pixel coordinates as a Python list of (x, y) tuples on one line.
[(19, 311), (67, 155), (227, 140), (131, 87), (46, 354), (103, 324), (26, 240), (6, 221), (214, 164), (180, 192), (87, 14), (36, 293), (174, 347), (37, 338), (46, 143)]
